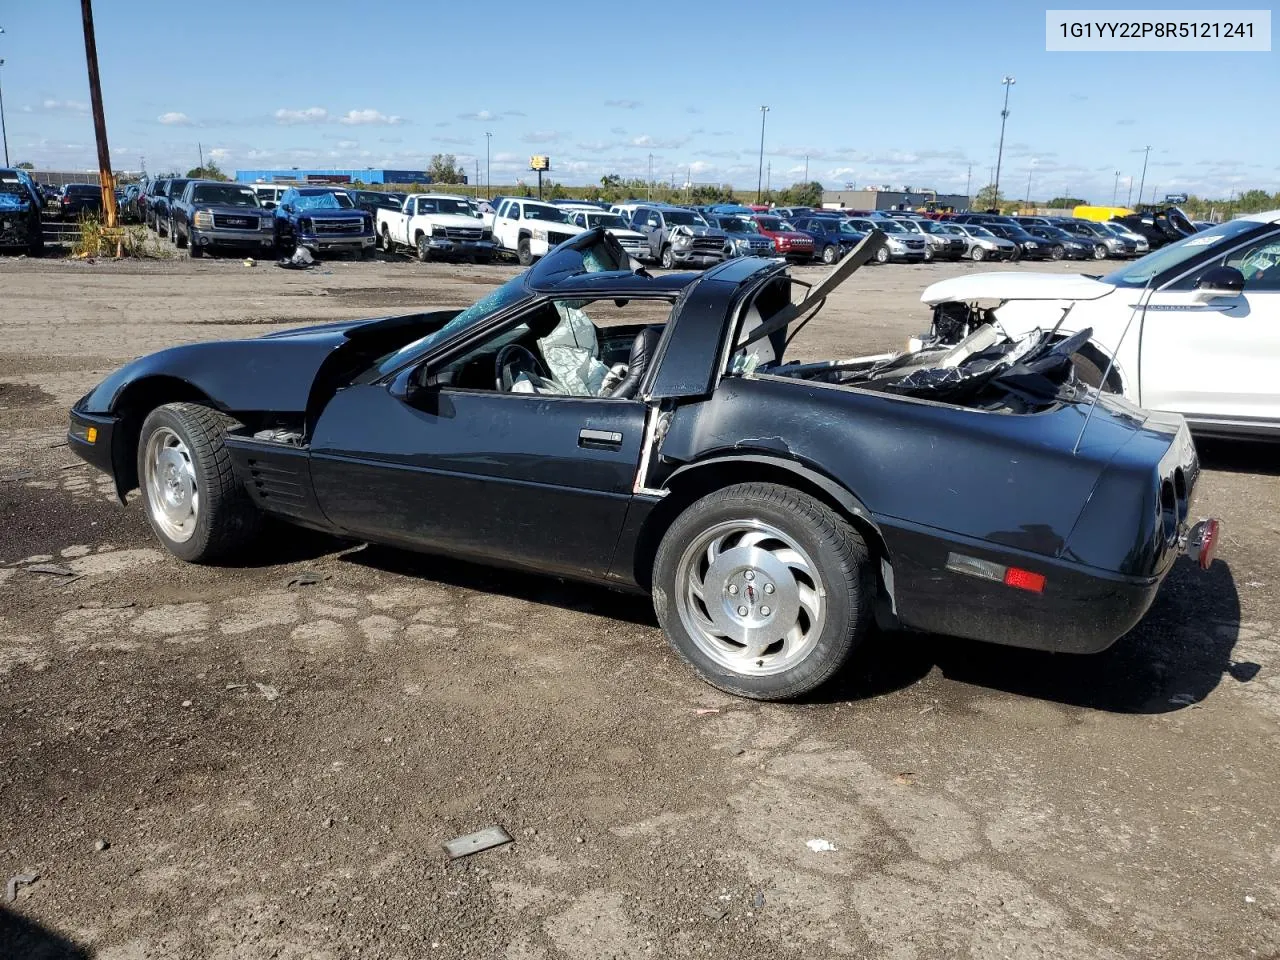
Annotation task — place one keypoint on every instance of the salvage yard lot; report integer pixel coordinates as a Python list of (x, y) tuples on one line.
[(275, 753)]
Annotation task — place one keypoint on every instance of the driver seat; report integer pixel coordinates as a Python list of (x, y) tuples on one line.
[(643, 347)]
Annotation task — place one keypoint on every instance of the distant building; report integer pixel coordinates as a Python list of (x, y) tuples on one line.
[(873, 199), (368, 175)]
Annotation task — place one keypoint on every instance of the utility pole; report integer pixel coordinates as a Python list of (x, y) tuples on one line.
[(968, 182), (764, 110), (1008, 82), (648, 185), (99, 117), (1129, 200), (1153, 195), (488, 181), (768, 180), (200, 150), (806, 168), (1029, 169), (1115, 188), (477, 178), (4, 131), (1143, 181)]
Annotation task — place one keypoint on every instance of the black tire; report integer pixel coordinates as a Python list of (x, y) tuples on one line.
[(838, 552), (523, 254), (424, 251), (1089, 372), (387, 245), (194, 250), (668, 259), (882, 255), (978, 254), (366, 253), (830, 254), (1057, 251), (227, 520), (1099, 252), (182, 240)]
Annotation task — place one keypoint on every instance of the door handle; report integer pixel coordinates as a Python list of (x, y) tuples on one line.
[(599, 439)]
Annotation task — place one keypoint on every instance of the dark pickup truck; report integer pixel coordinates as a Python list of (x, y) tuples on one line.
[(20, 213)]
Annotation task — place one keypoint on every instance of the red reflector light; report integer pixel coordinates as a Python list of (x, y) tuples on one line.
[(1209, 544), (1024, 580)]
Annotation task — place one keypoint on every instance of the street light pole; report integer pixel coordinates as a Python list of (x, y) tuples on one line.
[(806, 168), (1029, 169), (968, 182), (1129, 200), (760, 172), (4, 131), (648, 186), (1008, 82), (1143, 182), (1115, 189), (488, 180)]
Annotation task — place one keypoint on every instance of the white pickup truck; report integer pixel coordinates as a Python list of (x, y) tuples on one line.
[(530, 228), (436, 225)]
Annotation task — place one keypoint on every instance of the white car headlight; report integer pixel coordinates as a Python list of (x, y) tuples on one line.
[(203, 220)]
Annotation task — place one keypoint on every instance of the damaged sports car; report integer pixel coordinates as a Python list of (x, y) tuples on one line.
[(773, 509)]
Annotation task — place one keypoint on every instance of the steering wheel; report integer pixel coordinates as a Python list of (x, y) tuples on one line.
[(513, 360)]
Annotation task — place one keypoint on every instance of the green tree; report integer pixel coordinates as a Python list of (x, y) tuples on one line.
[(26, 165), (210, 171), (801, 195), (444, 169), (985, 199), (1060, 203)]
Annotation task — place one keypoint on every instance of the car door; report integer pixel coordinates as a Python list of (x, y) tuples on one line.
[(1213, 358), (541, 481)]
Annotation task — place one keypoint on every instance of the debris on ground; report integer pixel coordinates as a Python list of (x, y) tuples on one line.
[(818, 845), (102, 843), (758, 900), (23, 879), (705, 710), (716, 911), (485, 839), (268, 692), (300, 260), (905, 778), (307, 578), (15, 477), (53, 569)]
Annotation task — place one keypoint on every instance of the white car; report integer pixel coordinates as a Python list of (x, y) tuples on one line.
[(1192, 328), (436, 225), (633, 241), (531, 228), (1142, 244)]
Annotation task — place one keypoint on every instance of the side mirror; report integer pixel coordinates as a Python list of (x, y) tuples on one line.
[(268, 204), (1220, 282), (411, 385)]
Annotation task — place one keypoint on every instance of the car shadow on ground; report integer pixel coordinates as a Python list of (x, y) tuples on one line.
[(533, 587), (1174, 658), (1239, 456), (24, 939)]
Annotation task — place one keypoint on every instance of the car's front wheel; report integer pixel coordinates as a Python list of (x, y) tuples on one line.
[(424, 251), (882, 255), (1057, 251), (979, 254), (830, 254), (763, 589), (194, 502), (1099, 252), (668, 258)]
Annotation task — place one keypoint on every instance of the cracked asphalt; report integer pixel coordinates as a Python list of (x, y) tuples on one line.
[(274, 768)]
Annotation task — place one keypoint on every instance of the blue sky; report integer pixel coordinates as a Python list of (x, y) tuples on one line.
[(872, 92)]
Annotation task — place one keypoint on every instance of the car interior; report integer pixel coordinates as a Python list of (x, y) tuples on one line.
[(558, 349)]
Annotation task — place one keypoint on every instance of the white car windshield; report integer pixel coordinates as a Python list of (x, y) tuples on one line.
[(610, 221), (538, 211), (976, 231), (1140, 271), (444, 205)]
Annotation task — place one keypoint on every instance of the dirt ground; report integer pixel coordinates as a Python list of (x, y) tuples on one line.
[(272, 769)]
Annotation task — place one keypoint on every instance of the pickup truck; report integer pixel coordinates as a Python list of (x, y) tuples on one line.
[(323, 219), (530, 228), (20, 212), (436, 226)]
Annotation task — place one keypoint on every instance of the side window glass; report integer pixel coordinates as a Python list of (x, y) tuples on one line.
[(1260, 264)]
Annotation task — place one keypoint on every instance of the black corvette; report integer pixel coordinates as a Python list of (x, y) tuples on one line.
[(773, 509)]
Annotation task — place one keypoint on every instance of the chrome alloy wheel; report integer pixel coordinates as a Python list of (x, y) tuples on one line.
[(172, 496), (750, 597)]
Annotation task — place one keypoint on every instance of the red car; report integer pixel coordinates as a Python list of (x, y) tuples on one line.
[(791, 244)]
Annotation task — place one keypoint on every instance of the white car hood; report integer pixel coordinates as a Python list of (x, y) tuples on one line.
[(1015, 286), (452, 220)]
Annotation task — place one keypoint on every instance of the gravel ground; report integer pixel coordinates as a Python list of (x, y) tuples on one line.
[(210, 763)]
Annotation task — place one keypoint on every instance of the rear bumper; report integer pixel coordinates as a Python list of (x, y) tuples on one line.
[(1081, 609)]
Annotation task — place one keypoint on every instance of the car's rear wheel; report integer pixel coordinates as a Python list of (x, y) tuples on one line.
[(523, 252), (194, 502), (763, 589), (830, 254), (668, 258)]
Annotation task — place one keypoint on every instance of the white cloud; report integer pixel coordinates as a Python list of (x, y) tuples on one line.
[(309, 115), (174, 119), (219, 154), (367, 117), (348, 144), (622, 104), (542, 136), (659, 143), (478, 115), (63, 106)]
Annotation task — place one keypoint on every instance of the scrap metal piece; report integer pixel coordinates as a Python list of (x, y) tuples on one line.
[(476, 842), (22, 878), (53, 569)]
